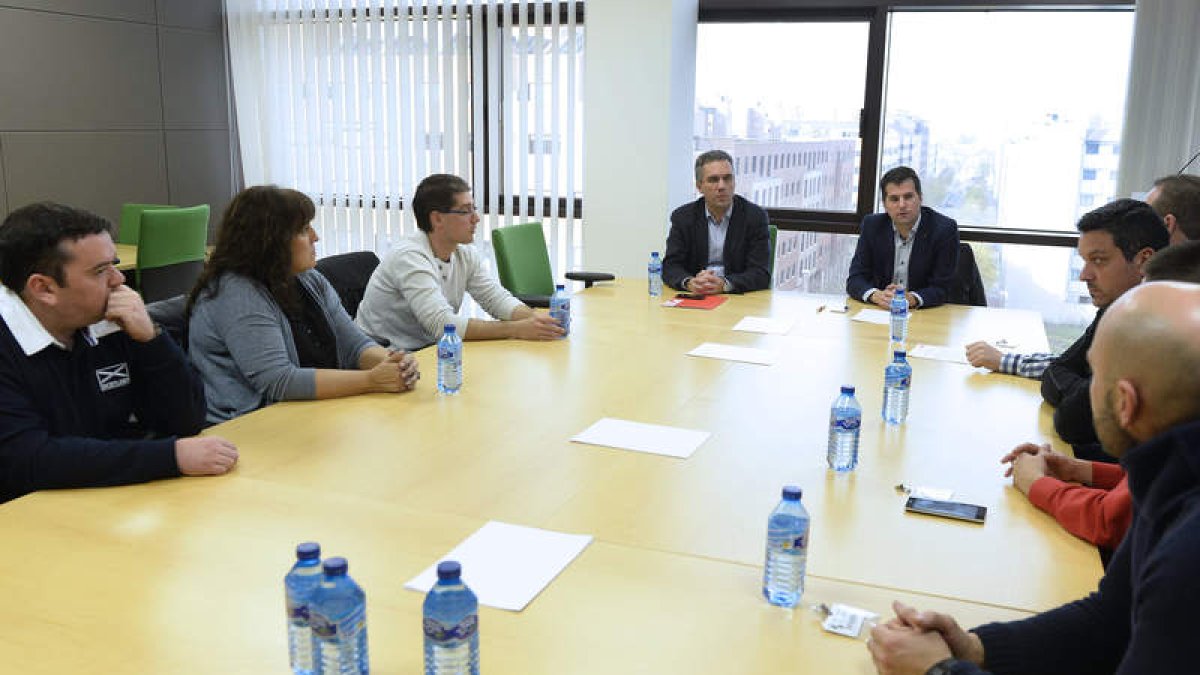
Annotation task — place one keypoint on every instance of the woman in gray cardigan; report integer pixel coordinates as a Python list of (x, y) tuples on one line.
[(264, 326)]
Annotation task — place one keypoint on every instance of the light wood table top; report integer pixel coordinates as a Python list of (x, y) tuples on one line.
[(185, 577), (501, 448), (190, 570), (127, 254)]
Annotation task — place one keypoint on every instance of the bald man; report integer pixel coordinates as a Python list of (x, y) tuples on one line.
[(1145, 392)]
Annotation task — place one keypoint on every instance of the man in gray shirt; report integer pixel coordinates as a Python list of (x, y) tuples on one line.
[(418, 288)]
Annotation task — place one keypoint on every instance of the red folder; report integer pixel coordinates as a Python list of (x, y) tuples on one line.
[(708, 302)]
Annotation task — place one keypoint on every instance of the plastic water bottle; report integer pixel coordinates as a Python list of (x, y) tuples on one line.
[(787, 550), (449, 350), (339, 623), (845, 422), (451, 621), (560, 308), (899, 318), (298, 587), (897, 378), (654, 271)]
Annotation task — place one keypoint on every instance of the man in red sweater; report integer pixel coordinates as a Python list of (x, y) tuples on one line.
[(1090, 499)]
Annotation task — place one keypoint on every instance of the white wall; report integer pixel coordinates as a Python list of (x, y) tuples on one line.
[(639, 71)]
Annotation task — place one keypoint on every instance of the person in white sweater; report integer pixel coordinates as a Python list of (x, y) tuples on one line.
[(418, 287)]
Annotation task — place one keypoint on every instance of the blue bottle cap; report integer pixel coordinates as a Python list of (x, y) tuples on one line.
[(335, 567), (792, 493), (450, 329), (899, 354), (308, 550), (449, 569), (653, 253), (847, 389), (560, 287)]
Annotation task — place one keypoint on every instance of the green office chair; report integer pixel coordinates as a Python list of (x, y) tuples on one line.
[(131, 221), (524, 265), (171, 250), (773, 234)]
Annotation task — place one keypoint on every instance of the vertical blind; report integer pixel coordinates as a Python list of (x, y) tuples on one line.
[(355, 101)]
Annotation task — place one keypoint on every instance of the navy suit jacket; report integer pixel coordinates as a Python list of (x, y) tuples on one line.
[(746, 255), (930, 267)]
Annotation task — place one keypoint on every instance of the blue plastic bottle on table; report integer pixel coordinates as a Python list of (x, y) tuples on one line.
[(899, 318), (298, 587), (845, 422), (451, 623), (560, 308), (787, 550), (654, 274), (339, 622), (897, 379), (450, 365)]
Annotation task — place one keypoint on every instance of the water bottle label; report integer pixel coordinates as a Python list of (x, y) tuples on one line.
[(905, 381), (445, 352), (322, 627), (848, 424), (439, 632), (298, 611), (796, 544)]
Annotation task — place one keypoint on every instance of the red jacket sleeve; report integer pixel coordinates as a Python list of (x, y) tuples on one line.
[(1093, 514)]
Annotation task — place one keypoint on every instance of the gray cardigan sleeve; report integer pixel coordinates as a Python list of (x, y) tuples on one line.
[(248, 334)]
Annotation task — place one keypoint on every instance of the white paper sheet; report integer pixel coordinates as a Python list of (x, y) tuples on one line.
[(940, 353), (508, 565), (878, 316), (653, 438), (713, 350), (758, 324)]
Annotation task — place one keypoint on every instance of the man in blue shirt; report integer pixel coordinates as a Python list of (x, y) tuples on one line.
[(85, 376), (720, 242), (910, 246)]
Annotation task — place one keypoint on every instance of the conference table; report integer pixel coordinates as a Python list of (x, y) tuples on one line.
[(185, 576)]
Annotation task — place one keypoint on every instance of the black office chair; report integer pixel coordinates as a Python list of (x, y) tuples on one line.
[(967, 287), (169, 314), (349, 273)]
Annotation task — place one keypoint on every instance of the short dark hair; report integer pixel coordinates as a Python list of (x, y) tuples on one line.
[(31, 238), (436, 193), (1179, 196), (254, 240), (1180, 262), (708, 158), (898, 175), (1132, 224)]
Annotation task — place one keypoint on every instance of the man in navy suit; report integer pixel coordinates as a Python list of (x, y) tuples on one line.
[(718, 243), (911, 247)]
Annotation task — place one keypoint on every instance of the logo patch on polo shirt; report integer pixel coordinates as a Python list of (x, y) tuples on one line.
[(112, 377)]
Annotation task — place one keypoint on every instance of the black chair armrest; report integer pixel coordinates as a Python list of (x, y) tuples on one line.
[(535, 300), (589, 278)]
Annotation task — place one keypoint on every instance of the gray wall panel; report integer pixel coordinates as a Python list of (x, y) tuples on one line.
[(198, 14), (68, 73), (97, 171), (127, 10), (194, 93), (198, 168)]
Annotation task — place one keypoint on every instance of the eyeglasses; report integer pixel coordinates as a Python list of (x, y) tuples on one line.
[(469, 211)]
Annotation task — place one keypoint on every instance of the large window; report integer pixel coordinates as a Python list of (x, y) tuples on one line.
[(1011, 118), (355, 102), (755, 85)]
